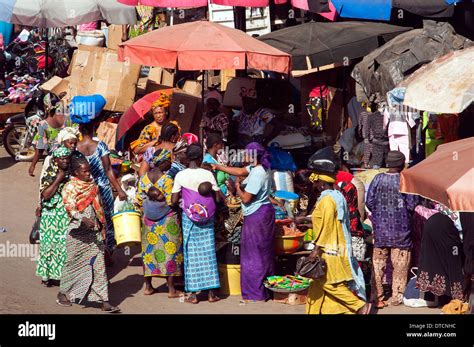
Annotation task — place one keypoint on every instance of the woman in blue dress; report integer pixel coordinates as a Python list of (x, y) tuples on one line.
[(97, 154)]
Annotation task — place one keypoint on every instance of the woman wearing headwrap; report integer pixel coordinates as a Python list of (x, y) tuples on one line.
[(162, 245), (54, 221), (45, 140), (97, 154), (214, 121), (84, 276), (258, 231), (67, 137), (169, 136), (150, 134), (342, 289)]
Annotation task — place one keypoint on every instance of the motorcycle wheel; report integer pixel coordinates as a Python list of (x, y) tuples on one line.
[(12, 138)]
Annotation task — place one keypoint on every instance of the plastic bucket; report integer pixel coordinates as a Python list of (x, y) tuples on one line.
[(290, 197), (230, 279), (127, 227)]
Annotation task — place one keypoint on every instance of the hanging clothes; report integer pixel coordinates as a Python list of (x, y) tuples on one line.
[(373, 131), (431, 132), (448, 126), (399, 130)]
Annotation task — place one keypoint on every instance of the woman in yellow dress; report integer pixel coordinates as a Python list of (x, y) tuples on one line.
[(149, 137), (342, 289)]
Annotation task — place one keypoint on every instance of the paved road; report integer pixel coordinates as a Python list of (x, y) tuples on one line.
[(21, 291)]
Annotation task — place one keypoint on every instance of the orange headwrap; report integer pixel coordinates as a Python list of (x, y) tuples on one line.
[(163, 101)]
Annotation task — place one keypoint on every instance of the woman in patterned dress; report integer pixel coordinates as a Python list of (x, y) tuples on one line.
[(45, 139), (97, 155), (150, 135), (84, 275), (440, 268), (54, 222), (162, 244), (200, 261)]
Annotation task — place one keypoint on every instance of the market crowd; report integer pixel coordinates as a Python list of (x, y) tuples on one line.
[(187, 193)]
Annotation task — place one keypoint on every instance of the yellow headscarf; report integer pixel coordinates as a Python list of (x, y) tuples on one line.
[(163, 101), (326, 178)]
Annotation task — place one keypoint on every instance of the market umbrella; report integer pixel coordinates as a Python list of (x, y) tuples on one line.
[(446, 176), (313, 45), (61, 13), (446, 85), (138, 111), (385, 67), (203, 45)]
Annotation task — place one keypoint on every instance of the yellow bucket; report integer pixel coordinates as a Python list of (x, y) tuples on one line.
[(230, 279), (127, 227)]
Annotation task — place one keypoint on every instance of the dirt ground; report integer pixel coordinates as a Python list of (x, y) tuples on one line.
[(21, 291)]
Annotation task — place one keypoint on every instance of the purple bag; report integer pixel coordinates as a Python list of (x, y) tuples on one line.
[(200, 209)]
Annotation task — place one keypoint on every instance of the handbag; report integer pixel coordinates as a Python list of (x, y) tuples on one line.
[(35, 231), (309, 269)]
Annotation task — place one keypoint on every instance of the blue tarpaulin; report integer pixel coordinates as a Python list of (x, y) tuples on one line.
[(364, 9)]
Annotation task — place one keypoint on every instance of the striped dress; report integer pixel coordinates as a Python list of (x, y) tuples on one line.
[(101, 179)]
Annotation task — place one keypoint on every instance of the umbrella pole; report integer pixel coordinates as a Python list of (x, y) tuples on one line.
[(46, 66), (201, 130)]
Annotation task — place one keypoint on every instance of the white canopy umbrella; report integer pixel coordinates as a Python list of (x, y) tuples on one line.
[(61, 13), (446, 85)]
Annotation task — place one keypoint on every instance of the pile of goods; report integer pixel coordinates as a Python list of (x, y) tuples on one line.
[(286, 283), (20, 89)]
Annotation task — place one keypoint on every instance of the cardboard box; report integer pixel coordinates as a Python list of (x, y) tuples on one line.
[(96, 70), (226, 76), (161, 76), (107, 132), (193, 88), (115, 36), (56, 85)]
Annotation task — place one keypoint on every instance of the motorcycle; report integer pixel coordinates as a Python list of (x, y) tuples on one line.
[(21, 129)]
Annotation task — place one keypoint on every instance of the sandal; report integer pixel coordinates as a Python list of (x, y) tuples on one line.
[(380, 305), (108, 308), (62, 300)]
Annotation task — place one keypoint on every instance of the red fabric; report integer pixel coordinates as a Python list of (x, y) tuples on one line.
[(448, 125), (203, 45), (343, 176), (350, 193), (190, 138)]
